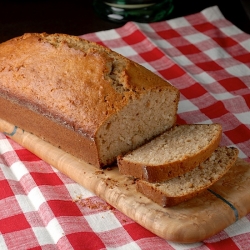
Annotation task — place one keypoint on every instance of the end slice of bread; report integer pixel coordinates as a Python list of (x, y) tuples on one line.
[(173, 153), (192, 183)]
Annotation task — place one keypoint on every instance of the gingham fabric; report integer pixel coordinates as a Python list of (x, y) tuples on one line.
[(207, 58)]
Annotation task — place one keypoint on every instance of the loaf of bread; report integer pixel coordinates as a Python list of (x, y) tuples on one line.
[(176, 151), (82, 97), (192, 183)]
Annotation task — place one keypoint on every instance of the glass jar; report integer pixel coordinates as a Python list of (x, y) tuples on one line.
[(133, 10)]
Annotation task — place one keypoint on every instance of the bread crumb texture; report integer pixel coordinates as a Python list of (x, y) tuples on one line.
[(191, 183), (177, 144), (204, 175)]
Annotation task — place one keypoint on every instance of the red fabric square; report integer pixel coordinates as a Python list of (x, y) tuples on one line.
[(5, 190), (137, 232), (204, 27), (247, 99), (172, 72), (188, 49), (13, 223), (64, 208), (152, 55), (215, 110), (26, 155), (243, 58), (168, 34), (223, 245), (50, 179), (232, 84), (209, 66), (136, 37), (225, 42), (86, 241), (239, 134), (193, 91)]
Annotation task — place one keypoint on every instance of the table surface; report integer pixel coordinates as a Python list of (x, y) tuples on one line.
[(77, 17)]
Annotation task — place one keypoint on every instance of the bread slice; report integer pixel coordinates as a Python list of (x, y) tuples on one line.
[(192, 183), (173, 153), (82, 97)]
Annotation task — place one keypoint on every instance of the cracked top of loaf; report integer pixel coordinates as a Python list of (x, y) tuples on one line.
[(71, 80)]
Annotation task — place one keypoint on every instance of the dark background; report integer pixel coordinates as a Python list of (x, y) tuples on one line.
[(77, 17)]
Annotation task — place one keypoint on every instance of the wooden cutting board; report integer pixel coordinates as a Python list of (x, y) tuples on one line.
[(192, 221)]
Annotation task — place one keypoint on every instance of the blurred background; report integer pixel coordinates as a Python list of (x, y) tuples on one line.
[(77, 17)]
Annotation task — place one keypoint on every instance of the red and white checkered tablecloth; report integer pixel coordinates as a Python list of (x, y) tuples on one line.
[(203, 55)]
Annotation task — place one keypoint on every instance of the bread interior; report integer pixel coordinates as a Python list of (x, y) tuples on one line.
[(138, 122)]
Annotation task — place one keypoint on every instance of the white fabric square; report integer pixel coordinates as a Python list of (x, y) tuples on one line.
[(36, 198), (125, 51), (185, 246), (5, 146), (217, 53), (24, 203), (223, 96), (42, 235), (231, 30), (55, 230), (239, 227), (178, 22), (145, 27), (78, 192), (18, 170), (163, 44), (7, 172), (196, 38), (2, 243), (103, 221), (182, 60), (204, 122), (204, 78), (246, 44), (212, 14), (129, 246), (238, 70), (107, 35), (244, 117), (185, 106)]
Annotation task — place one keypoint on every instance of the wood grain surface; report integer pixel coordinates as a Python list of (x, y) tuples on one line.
[(191, 221)]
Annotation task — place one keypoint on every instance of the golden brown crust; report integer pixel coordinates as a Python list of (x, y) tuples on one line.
[(64, 67), (161, 198), (76, 84)]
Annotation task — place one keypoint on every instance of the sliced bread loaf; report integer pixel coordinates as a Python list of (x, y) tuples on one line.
[(82, 97), (173, 153), (192, 183)]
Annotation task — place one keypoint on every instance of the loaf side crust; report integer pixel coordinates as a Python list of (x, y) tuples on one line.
[(46, 129)]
